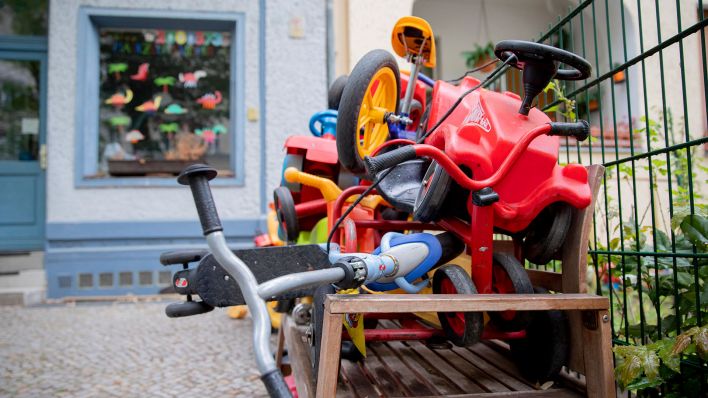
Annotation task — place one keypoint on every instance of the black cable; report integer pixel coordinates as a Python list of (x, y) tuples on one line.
[(418, 141), (469, 72)]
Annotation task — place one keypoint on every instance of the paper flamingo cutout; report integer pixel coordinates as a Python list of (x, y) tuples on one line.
[(209, 100), (142, 73), (119, 99), (190, 79), (150, 106)]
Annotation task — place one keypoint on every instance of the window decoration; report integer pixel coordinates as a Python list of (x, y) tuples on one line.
[(164, 101)]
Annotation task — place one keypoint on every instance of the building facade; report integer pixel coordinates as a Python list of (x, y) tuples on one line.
[(125, 93)]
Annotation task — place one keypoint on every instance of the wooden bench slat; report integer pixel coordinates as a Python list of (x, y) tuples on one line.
[(509, 381), (455, 377), (395, 303), (411, 382), (552, 393), (438, 383), (362, 386), (387, 382), (487, 382)]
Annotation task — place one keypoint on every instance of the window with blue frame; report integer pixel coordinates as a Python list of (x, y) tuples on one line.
[(166, 95)]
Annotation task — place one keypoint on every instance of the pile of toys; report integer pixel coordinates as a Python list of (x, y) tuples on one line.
[(425, 173)]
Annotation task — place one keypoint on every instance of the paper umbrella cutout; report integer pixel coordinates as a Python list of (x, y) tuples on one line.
[(134, 136), (175, 109)]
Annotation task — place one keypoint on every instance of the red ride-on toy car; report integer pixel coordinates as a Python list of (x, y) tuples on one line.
[(494, 170)]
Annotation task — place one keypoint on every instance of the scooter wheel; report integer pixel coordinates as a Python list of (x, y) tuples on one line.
[(461, 328), (431, 196), (371, 92), (546, 233), (509, 277), (288, 228), (544, 351), (334, 95), (291, 160)]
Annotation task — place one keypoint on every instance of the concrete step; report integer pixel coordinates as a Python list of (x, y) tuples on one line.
[(23, 287)]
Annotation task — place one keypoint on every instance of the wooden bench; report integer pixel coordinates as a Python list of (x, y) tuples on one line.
[(589, 328)]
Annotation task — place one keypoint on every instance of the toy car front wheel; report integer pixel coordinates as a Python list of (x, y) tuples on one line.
[(372, 91), (288, 228), (461, 328), (433, 191), (509, 277), (546, 233), (544, 351)]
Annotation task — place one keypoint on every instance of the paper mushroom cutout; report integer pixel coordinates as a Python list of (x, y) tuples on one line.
[(134, 136), (190, 79), (175, 109)]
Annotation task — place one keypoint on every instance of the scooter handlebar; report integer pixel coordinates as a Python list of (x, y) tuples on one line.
[(197, 176), (275, 384), (376, 164), (580, 129)]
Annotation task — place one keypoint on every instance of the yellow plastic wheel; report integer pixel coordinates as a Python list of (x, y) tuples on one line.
[(379, 99), (372, 91)]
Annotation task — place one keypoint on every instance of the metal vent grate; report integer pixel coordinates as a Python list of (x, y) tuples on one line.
[(105, 279), (85, 280), (125, 278), (145, 278), (64, 282)]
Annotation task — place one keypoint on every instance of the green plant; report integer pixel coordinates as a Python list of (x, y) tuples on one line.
[(479, 54), (660, 303), (566, 106), (643, 367)]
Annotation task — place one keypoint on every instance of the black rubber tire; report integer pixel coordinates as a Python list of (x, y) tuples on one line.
[(334, 94), (434, 189), (544, 351), (295, 161), (546, 233), (522, 285), (350, 105), (474, 321), (317, 317), (285, 211), (348, 350), (345, 179)]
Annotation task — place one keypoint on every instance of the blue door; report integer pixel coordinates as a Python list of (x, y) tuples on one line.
[(22, 147)]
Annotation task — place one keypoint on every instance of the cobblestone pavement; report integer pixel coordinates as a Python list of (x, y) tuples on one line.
[(124, 350)]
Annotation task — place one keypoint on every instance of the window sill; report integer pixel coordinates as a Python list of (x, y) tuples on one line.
[(136, 182)]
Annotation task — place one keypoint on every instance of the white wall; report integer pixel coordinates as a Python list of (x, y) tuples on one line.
[(296, 87)]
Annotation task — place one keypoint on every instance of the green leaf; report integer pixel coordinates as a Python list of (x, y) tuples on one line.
[(695, 228), (644, 383)]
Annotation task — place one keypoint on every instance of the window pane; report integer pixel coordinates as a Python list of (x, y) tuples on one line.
[(23, 17), (19, 110), (164, 101)]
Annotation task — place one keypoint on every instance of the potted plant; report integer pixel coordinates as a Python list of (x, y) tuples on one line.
[(479, 56)]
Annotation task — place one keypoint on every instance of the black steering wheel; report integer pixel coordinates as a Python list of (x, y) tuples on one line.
[(527, 52)]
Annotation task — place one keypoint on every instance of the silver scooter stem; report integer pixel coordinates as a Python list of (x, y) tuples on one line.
[(249, 287)]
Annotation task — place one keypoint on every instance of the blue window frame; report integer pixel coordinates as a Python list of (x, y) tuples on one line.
[(88, 96)]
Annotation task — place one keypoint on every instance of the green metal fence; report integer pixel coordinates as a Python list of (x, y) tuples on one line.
[(646, 102)]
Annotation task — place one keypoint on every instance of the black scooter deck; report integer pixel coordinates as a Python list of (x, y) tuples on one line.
[(215, 287)]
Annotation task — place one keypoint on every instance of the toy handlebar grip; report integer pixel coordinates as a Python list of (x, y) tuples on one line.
[(197, 176), (389, 159), (580, 129), (275, 385)]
